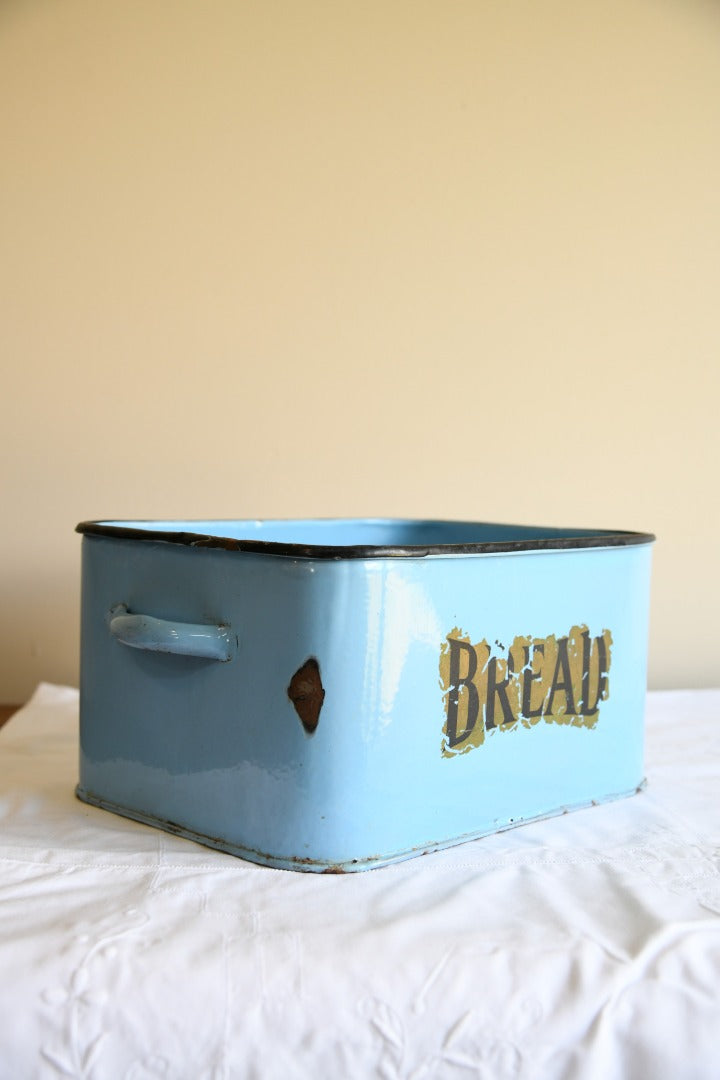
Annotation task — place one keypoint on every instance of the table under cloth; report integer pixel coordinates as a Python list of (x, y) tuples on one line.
[(587, 945)]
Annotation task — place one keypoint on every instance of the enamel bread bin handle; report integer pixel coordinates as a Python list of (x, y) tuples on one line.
[(210, 642)]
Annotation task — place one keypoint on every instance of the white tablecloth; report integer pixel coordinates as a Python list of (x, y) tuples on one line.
[(583, 946)]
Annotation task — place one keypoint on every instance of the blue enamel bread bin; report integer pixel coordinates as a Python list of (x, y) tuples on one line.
[(336, 695)]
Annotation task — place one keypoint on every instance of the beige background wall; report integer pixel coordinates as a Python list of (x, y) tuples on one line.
[(300, 258)]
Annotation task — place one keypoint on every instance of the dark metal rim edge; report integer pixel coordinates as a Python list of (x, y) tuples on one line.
[(322, 866), (614, 538)]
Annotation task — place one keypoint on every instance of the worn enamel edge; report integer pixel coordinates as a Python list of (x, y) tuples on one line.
[(318, 866), (606, 538)]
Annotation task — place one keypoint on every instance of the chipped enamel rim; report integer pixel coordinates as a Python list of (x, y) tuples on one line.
[(131, 531)]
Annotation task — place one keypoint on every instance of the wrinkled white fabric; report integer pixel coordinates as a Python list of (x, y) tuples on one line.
[(583, 946)]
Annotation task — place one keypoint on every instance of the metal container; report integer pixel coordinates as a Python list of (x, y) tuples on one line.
[(336, 695)]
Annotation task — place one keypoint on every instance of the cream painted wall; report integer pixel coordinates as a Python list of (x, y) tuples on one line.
[(302, 258)]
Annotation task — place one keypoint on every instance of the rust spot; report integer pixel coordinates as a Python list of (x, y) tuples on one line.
[(307, 694), (334, 870)]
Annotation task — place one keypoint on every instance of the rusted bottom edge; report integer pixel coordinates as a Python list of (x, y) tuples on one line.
[(323, 866)]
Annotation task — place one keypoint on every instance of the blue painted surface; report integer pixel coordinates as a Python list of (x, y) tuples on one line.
[(217, 750)]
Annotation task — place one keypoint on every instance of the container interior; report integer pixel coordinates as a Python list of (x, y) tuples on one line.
[(365, 532)]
